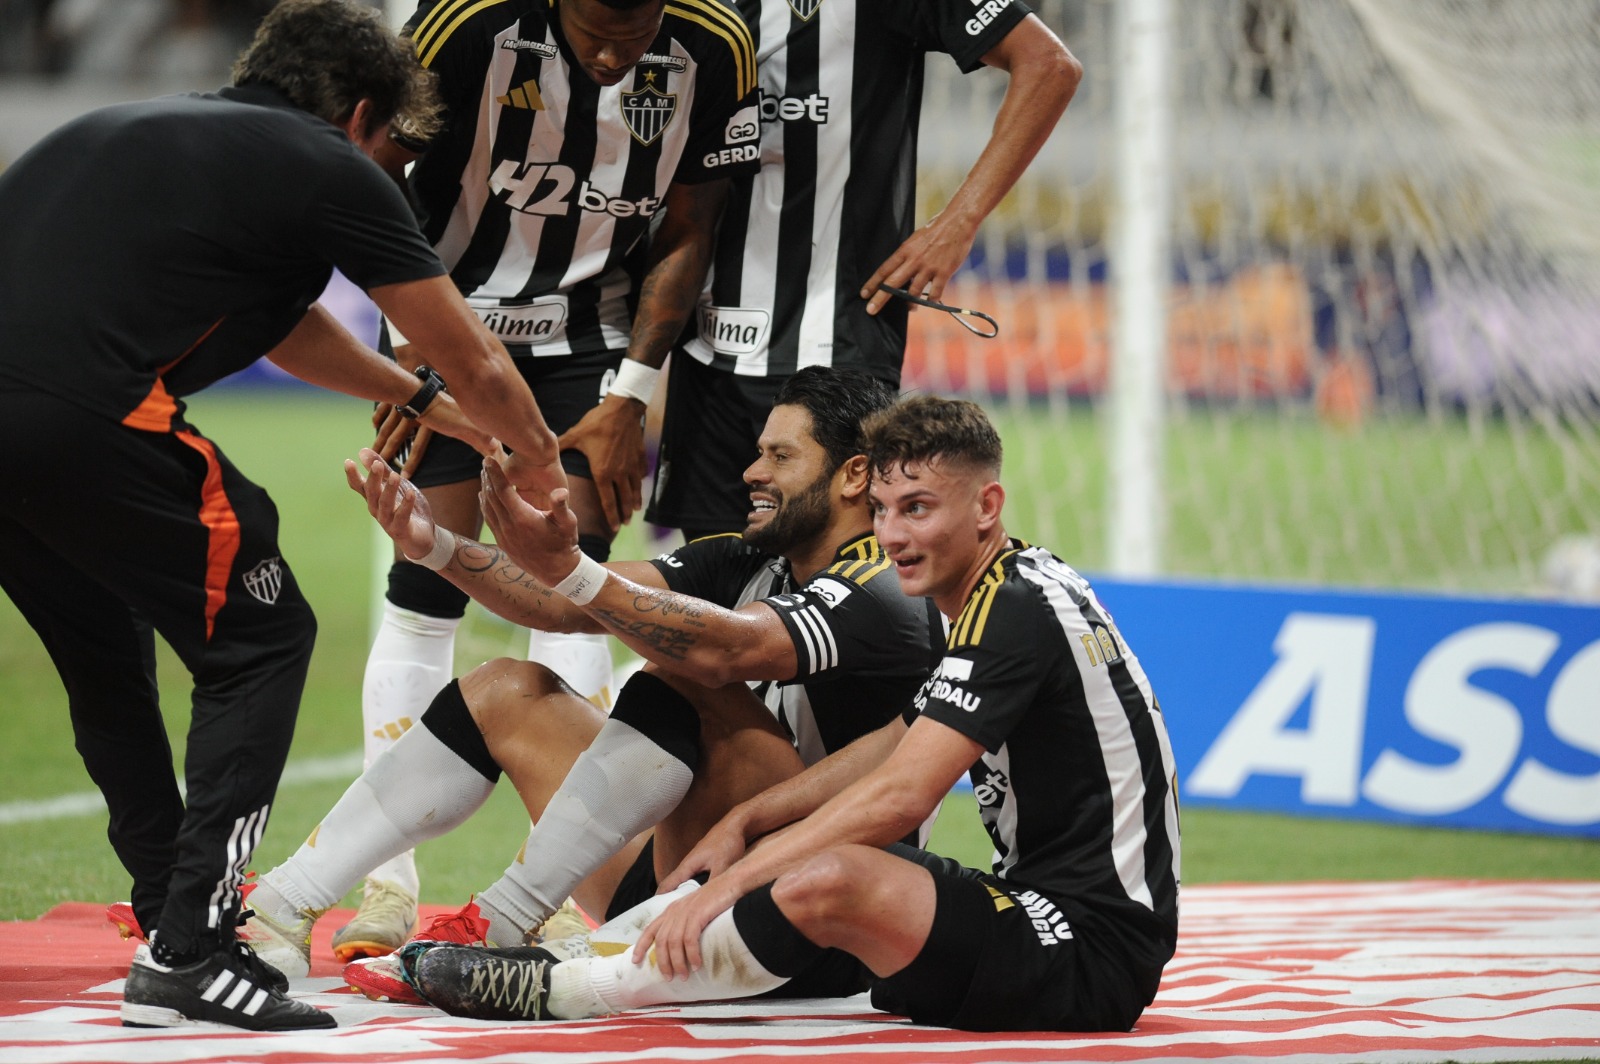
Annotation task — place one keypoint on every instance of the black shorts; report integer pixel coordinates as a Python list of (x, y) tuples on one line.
[(708, 439), (566, 387), (1002, 958), (834, 974)]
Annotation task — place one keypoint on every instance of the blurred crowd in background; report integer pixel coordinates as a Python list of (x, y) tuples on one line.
[(193, 41)]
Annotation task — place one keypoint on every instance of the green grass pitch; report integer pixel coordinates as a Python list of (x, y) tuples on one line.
[(292, 443)]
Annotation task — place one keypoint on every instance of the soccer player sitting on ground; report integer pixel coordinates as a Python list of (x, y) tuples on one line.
[(798, 642), (1038, 700)]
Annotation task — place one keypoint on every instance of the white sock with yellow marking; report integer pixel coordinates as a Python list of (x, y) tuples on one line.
[(416, 791), (620, 787), (596, 986), (582, 660), (412, 657)]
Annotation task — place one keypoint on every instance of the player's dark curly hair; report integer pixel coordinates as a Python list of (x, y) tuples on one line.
[(326, 56), (838, 400), (925, 428)]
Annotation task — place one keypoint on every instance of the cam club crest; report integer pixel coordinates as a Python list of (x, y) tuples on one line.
[(648, 112), (805, 8), (265, 581)]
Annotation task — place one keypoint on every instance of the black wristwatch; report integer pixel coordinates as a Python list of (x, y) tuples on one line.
[(417, 405)]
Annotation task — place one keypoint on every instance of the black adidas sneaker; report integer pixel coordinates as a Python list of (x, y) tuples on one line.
[(481, 983), (227, 988)]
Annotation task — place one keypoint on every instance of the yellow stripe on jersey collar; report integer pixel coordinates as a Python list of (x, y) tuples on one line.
[(722, 22), (444, 20), (969, 626)]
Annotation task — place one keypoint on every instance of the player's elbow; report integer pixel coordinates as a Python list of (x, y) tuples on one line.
[(720, 670), (729, 664), (481, 368), (904, 806), (1058, 74)]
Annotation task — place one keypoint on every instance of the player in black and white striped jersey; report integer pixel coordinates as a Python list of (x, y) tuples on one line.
[(769, 651), (1038, 700), (805, 241), (572, 128)]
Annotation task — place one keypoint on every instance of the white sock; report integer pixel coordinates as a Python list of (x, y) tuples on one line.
[(625, 928), (596, 986), (412, 657), (583, 661), (417, 790), (624, 784)]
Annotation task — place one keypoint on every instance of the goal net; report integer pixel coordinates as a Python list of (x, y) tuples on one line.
[(1383, 305)]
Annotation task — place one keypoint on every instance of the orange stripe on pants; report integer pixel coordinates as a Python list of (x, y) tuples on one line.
[(216, 513)]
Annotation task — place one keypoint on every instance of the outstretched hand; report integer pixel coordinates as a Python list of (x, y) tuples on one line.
[(543, 542), (535, 478), (398, 506)]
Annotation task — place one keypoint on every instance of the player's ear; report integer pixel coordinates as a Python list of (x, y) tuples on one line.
[(991, 500), (852, 477)]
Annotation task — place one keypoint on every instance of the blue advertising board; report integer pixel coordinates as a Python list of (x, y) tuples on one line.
[(1437, 710)]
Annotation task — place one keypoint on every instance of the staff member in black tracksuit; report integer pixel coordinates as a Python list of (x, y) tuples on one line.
[(148, 250)]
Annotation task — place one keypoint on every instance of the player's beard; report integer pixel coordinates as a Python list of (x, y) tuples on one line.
[(798, 519)]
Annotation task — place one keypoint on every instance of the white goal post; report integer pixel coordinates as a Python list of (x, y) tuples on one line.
[(1362, 348)]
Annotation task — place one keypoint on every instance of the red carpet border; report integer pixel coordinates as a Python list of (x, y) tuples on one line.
[(1370, 973)]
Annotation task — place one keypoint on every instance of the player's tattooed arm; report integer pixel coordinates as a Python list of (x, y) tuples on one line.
[(680, 255), (506, 589), (671, 626), (707, 643)]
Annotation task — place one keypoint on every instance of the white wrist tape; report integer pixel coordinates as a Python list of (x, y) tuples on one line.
[(444, 548), (635, 380), (584, 582)]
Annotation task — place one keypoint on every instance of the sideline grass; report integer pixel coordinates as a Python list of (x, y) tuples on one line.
[(292, 443)]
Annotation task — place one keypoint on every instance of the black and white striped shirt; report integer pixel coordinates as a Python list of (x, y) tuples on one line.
[(1076, 784), (539, 193), (863, 648), (841, 92)]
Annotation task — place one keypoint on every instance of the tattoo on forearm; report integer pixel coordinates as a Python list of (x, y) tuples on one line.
[(674, 629), (492, 561), (668, 604), (666, 299)]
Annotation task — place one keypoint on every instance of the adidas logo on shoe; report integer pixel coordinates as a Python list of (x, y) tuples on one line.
[(225, 988)]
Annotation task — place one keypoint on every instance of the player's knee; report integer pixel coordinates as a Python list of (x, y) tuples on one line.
[(505, 689), (822, 895), (508, 679)]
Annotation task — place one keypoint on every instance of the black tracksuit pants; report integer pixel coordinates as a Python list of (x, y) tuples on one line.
[(105, 533)]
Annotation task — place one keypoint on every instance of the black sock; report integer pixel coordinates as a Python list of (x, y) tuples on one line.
[(451, 723), (653, 708), (770, 937)]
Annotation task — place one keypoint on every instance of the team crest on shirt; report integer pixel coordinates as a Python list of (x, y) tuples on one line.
[(805, 8), (648, 112), (265, 580)]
